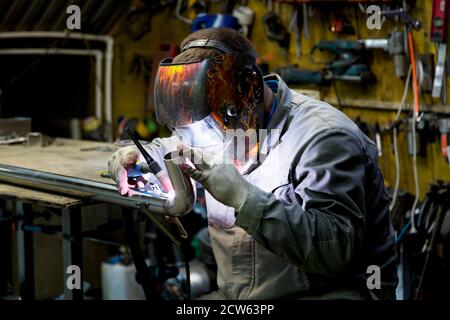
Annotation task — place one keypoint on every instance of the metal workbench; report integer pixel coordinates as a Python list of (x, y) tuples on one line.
[(81, 159)]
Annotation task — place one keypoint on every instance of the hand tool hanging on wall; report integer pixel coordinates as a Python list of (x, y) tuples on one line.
[(378, 139), (410, 25), (438, 34), (245, 16), (305, 20), (426, 60), (295, 76), (394, 46), (296, 22), (138, 19), (424, 134), (274, 28), (347, 62), (444, 128), (346, 65), (339, 24)]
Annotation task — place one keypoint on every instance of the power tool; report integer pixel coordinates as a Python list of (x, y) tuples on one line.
[(394, 45), (346, 65)]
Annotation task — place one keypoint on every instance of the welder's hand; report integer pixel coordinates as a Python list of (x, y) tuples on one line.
[(223, 181), (118, 165)]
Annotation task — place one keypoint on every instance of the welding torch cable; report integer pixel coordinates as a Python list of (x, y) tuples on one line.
[(394, 142)]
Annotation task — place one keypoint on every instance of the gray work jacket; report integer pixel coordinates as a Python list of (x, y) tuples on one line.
[(318, 218)]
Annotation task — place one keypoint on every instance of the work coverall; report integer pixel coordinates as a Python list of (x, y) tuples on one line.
[(318, 219)]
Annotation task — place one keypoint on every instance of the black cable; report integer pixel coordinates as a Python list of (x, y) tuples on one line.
[(188, 274), (428, 255), (142, 271)]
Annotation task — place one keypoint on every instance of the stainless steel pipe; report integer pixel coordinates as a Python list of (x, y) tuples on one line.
[(176, 204)]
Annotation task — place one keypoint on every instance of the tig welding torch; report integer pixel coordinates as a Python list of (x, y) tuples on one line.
[(153, 166)]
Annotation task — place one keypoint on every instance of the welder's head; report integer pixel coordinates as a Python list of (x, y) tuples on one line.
[(211, 88)]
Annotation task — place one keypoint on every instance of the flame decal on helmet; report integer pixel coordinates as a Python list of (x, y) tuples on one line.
[(180, 84), (185, 93)]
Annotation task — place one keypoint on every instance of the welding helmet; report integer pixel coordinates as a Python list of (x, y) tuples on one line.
[(210, 103)]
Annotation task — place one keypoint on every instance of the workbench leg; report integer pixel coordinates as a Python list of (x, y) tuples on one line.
[(142, 269), (25, 251), (72, 247)]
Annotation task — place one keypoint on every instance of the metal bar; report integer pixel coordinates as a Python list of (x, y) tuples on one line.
[(84, 188), (176, 203), (72, 251)]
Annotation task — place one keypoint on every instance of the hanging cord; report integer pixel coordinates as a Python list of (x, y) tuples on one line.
[(415, 173), (413, 126), (394, 142), (397, 170), (414, 73)]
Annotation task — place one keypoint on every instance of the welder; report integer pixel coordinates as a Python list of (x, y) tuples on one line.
[(298, 209)]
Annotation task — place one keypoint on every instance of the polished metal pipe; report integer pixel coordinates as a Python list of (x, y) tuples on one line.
[(184, 192), (175, 203)]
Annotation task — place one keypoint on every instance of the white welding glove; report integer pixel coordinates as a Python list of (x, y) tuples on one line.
[(223, 181), (130, 159), (120, 162)]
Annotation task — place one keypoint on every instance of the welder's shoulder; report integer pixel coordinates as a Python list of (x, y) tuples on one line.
[(313, 117)]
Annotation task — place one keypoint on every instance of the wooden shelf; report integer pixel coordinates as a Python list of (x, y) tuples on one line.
[(384, 105)]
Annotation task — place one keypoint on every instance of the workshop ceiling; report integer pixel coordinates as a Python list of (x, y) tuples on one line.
[(97, 16)]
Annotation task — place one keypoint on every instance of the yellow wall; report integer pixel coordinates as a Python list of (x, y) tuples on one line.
[(129, 93)]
